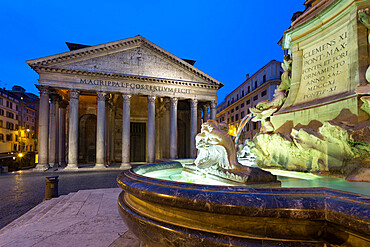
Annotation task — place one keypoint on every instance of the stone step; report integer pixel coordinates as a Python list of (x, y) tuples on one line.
[(54, 210), (35, 213)]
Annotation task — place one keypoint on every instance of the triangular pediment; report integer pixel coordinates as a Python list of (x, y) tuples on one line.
[(133, 57)]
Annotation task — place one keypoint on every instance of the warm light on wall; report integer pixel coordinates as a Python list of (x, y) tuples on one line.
[(232, 130)]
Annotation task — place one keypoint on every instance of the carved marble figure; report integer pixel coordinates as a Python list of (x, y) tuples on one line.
[(217, 156)]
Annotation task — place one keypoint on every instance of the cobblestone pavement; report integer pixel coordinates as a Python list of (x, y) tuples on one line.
[(21, 191)]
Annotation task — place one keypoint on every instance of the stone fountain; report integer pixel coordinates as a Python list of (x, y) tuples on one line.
[(170, 213)]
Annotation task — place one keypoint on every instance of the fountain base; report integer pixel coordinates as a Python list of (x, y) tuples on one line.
[(168, 213)]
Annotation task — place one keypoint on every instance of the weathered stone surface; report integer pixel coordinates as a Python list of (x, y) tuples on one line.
[(331, 148)]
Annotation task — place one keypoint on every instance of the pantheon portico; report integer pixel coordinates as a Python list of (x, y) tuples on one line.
[(120, 102)]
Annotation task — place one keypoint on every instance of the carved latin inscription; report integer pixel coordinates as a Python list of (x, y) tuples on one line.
[(324, 68)]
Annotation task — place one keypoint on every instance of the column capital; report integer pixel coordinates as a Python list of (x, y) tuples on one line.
[(101, 96), (74, 93), (151, 99), (174, 101), (205, 105), (63, 104), (54, 98), (193, 103), (126, 98), (213, 104), (44, 90)]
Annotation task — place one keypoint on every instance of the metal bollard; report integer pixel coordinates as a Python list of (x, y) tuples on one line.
[(51, 187)]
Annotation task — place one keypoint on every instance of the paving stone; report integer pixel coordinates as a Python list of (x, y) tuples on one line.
[(86, 218)]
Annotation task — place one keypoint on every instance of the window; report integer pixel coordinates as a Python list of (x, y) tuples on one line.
[(263, 93), (254, 125), (1, 137), (232, 110), (27, 111), (236, 117), (1, 103), (242, 114), (16, 107), (9, 125), (237, 96), (9, 104), (249, 89), (242, 105), (15, 147), (236, 108), (242, 93), (255, 84), (255, 98), (10, 114), (33, 120), (264, 79), (248, 102), (1, 123), (16, 138), (1, 112), (33, 113), (232, 119), (228, 103), (9, 137), (27, 118)]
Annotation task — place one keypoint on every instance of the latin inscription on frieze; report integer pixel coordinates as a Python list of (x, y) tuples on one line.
[(134, 86), (324, 68)]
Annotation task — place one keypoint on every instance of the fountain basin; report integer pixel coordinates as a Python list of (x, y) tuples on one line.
[(169, 213)]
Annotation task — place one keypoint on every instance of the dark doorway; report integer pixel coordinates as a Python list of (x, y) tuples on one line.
[(87, 139), (183, 139), (137, 142)]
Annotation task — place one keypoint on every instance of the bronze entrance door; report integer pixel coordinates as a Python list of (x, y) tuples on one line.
[(137, 142)]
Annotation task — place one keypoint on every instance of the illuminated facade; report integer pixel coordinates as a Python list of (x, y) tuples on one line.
[(120, 102)]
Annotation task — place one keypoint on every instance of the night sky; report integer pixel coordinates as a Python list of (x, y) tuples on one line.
[(228, 39)]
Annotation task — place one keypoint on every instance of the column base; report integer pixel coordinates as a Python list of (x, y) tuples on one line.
[(62, 164), (71, 167), (41, 167), (56, 164), (125, 166), (100, 166)]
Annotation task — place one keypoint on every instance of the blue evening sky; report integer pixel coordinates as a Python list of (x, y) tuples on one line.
[(228, 38)]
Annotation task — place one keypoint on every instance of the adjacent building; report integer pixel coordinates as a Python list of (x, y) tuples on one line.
[(256, 88), (18, 121), (9, 113)]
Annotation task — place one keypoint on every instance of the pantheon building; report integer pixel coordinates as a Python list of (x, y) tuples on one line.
[(120, 102)]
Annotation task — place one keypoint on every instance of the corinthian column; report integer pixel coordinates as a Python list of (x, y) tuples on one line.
[(73, 129), (151, 129), (126, 132), (43, 128), (54, 122), (173, 128), (213, 110), (193, 127), (205, 113), (100, 132), (62, 134)]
